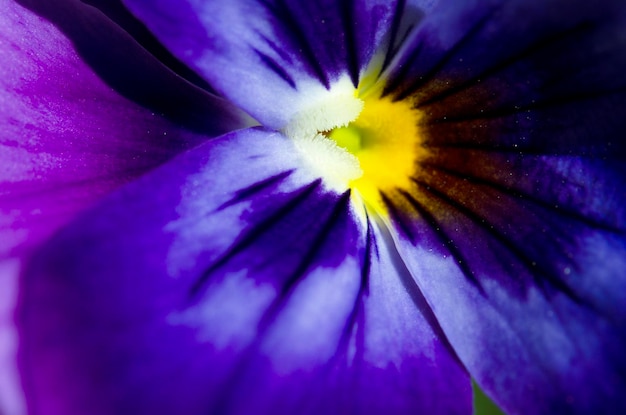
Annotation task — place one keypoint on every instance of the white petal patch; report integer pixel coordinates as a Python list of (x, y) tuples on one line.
[(332, 163), (326, 110), (332, 108)]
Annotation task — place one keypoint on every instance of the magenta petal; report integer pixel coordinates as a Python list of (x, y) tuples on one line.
[(67, 138), (11, 397), (229, 281)]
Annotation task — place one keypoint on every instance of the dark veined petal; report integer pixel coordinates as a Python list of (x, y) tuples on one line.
[(229, 281), (273, 57), (514, 226)]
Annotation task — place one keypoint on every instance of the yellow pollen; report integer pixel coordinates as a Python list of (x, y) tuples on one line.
[(385, 138)]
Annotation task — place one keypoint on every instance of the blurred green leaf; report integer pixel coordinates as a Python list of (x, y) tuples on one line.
[(483, 405)]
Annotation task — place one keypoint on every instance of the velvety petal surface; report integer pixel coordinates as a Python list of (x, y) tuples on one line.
[(230, 281), (274, 58), (11, 396), (514, 227), (67, 137), (121, 52)]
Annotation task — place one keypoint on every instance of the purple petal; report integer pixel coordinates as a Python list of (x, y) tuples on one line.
[(11, 396), (515, 226), (123, 64), (229, 281), (518, 76), (117, 12), (264, 54), (67, 138)]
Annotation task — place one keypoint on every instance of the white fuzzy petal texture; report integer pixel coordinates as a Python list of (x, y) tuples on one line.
[(333, 108)]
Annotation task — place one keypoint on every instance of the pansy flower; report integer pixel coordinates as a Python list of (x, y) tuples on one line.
[(433, 192)]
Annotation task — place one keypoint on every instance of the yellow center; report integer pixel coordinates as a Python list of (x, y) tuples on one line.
[(354, 139), (385, 140)]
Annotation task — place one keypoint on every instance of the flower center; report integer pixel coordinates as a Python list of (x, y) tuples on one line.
[(385, 140), (367, 144)]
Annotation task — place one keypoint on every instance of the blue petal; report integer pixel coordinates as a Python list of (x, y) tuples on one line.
[(230, 281), (515, 225)]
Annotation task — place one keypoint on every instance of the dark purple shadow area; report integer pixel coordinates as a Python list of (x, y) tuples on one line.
[(116, 11), (136, 73)]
